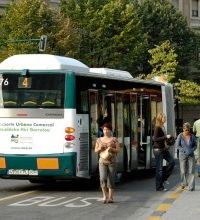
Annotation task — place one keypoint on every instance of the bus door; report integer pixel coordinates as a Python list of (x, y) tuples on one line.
[(144, 131), (127, 132), (101, 110), (83, 151), (153, 119), (119, 132), (93, 124), (134, 131), (156, 107), (111, 110)]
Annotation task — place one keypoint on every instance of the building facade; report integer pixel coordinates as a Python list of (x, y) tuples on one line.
[(191, 10), (5, 3)]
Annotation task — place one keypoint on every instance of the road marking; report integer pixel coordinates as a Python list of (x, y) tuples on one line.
[(174, 195), (84, 201), (154, 218), (18, 195), (31, 201), (163, 207), (166, 204), (78, 202)]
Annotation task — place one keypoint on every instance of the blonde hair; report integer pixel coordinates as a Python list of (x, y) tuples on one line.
[(159, 121)]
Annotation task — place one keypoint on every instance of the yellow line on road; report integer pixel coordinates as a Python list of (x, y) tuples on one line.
[(17, 195), (163, 207), (154, 218), (174, 195)]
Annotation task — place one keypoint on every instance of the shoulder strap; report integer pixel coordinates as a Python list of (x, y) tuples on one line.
[(114, 139), (98, 140)]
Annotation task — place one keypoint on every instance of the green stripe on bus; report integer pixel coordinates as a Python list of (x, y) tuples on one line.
[(70, 94)]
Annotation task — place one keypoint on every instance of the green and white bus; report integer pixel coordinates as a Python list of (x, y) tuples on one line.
[(51, 109)]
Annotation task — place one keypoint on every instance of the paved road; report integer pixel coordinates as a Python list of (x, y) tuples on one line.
[(135, 198)]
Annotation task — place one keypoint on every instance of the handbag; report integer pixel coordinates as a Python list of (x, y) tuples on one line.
[(106, 155), (170, 141)]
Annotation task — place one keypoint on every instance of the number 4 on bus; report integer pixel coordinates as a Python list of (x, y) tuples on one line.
[(24, 82)]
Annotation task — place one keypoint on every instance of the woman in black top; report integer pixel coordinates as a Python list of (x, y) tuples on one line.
[(161, 152)]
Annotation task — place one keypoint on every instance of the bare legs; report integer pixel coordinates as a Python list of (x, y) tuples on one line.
[(107, 194), (107, 181), (110, 195)]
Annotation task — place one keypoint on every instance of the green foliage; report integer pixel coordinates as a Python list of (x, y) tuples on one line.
[(161, 21), (64, 38), (29, 19), (111, 33), (24, 20), (163, 61), (140, 36), (188, 92)]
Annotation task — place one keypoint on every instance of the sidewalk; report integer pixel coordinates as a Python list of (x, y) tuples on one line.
[(184, 205)]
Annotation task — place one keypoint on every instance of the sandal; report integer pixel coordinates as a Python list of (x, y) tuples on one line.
[(110, 201), (104, 200), (183, 186)]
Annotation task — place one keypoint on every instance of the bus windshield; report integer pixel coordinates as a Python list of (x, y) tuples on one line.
[(32, 91)]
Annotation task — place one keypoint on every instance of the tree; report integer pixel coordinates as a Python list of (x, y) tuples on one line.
[(111, 33), (163, 61), (65, 37), (29, 19), (161, 22), (188, 91)]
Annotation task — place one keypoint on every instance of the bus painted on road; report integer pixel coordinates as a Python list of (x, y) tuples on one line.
[(51, 110)]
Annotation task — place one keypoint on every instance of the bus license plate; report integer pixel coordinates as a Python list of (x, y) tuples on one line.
[(22, 172)]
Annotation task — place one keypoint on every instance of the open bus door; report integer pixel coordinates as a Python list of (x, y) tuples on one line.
[(144, 131), (104, 106), (133, 163)]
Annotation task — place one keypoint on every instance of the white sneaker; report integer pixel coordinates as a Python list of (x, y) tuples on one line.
[(166, 182), (162, 189)]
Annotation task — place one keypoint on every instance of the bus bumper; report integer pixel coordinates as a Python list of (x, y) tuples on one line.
[(54, 166)]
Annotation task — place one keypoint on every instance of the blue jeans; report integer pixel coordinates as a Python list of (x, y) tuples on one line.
[(187, 170), (163, 174)]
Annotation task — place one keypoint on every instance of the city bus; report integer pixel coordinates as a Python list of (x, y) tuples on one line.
[(52, 108)]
